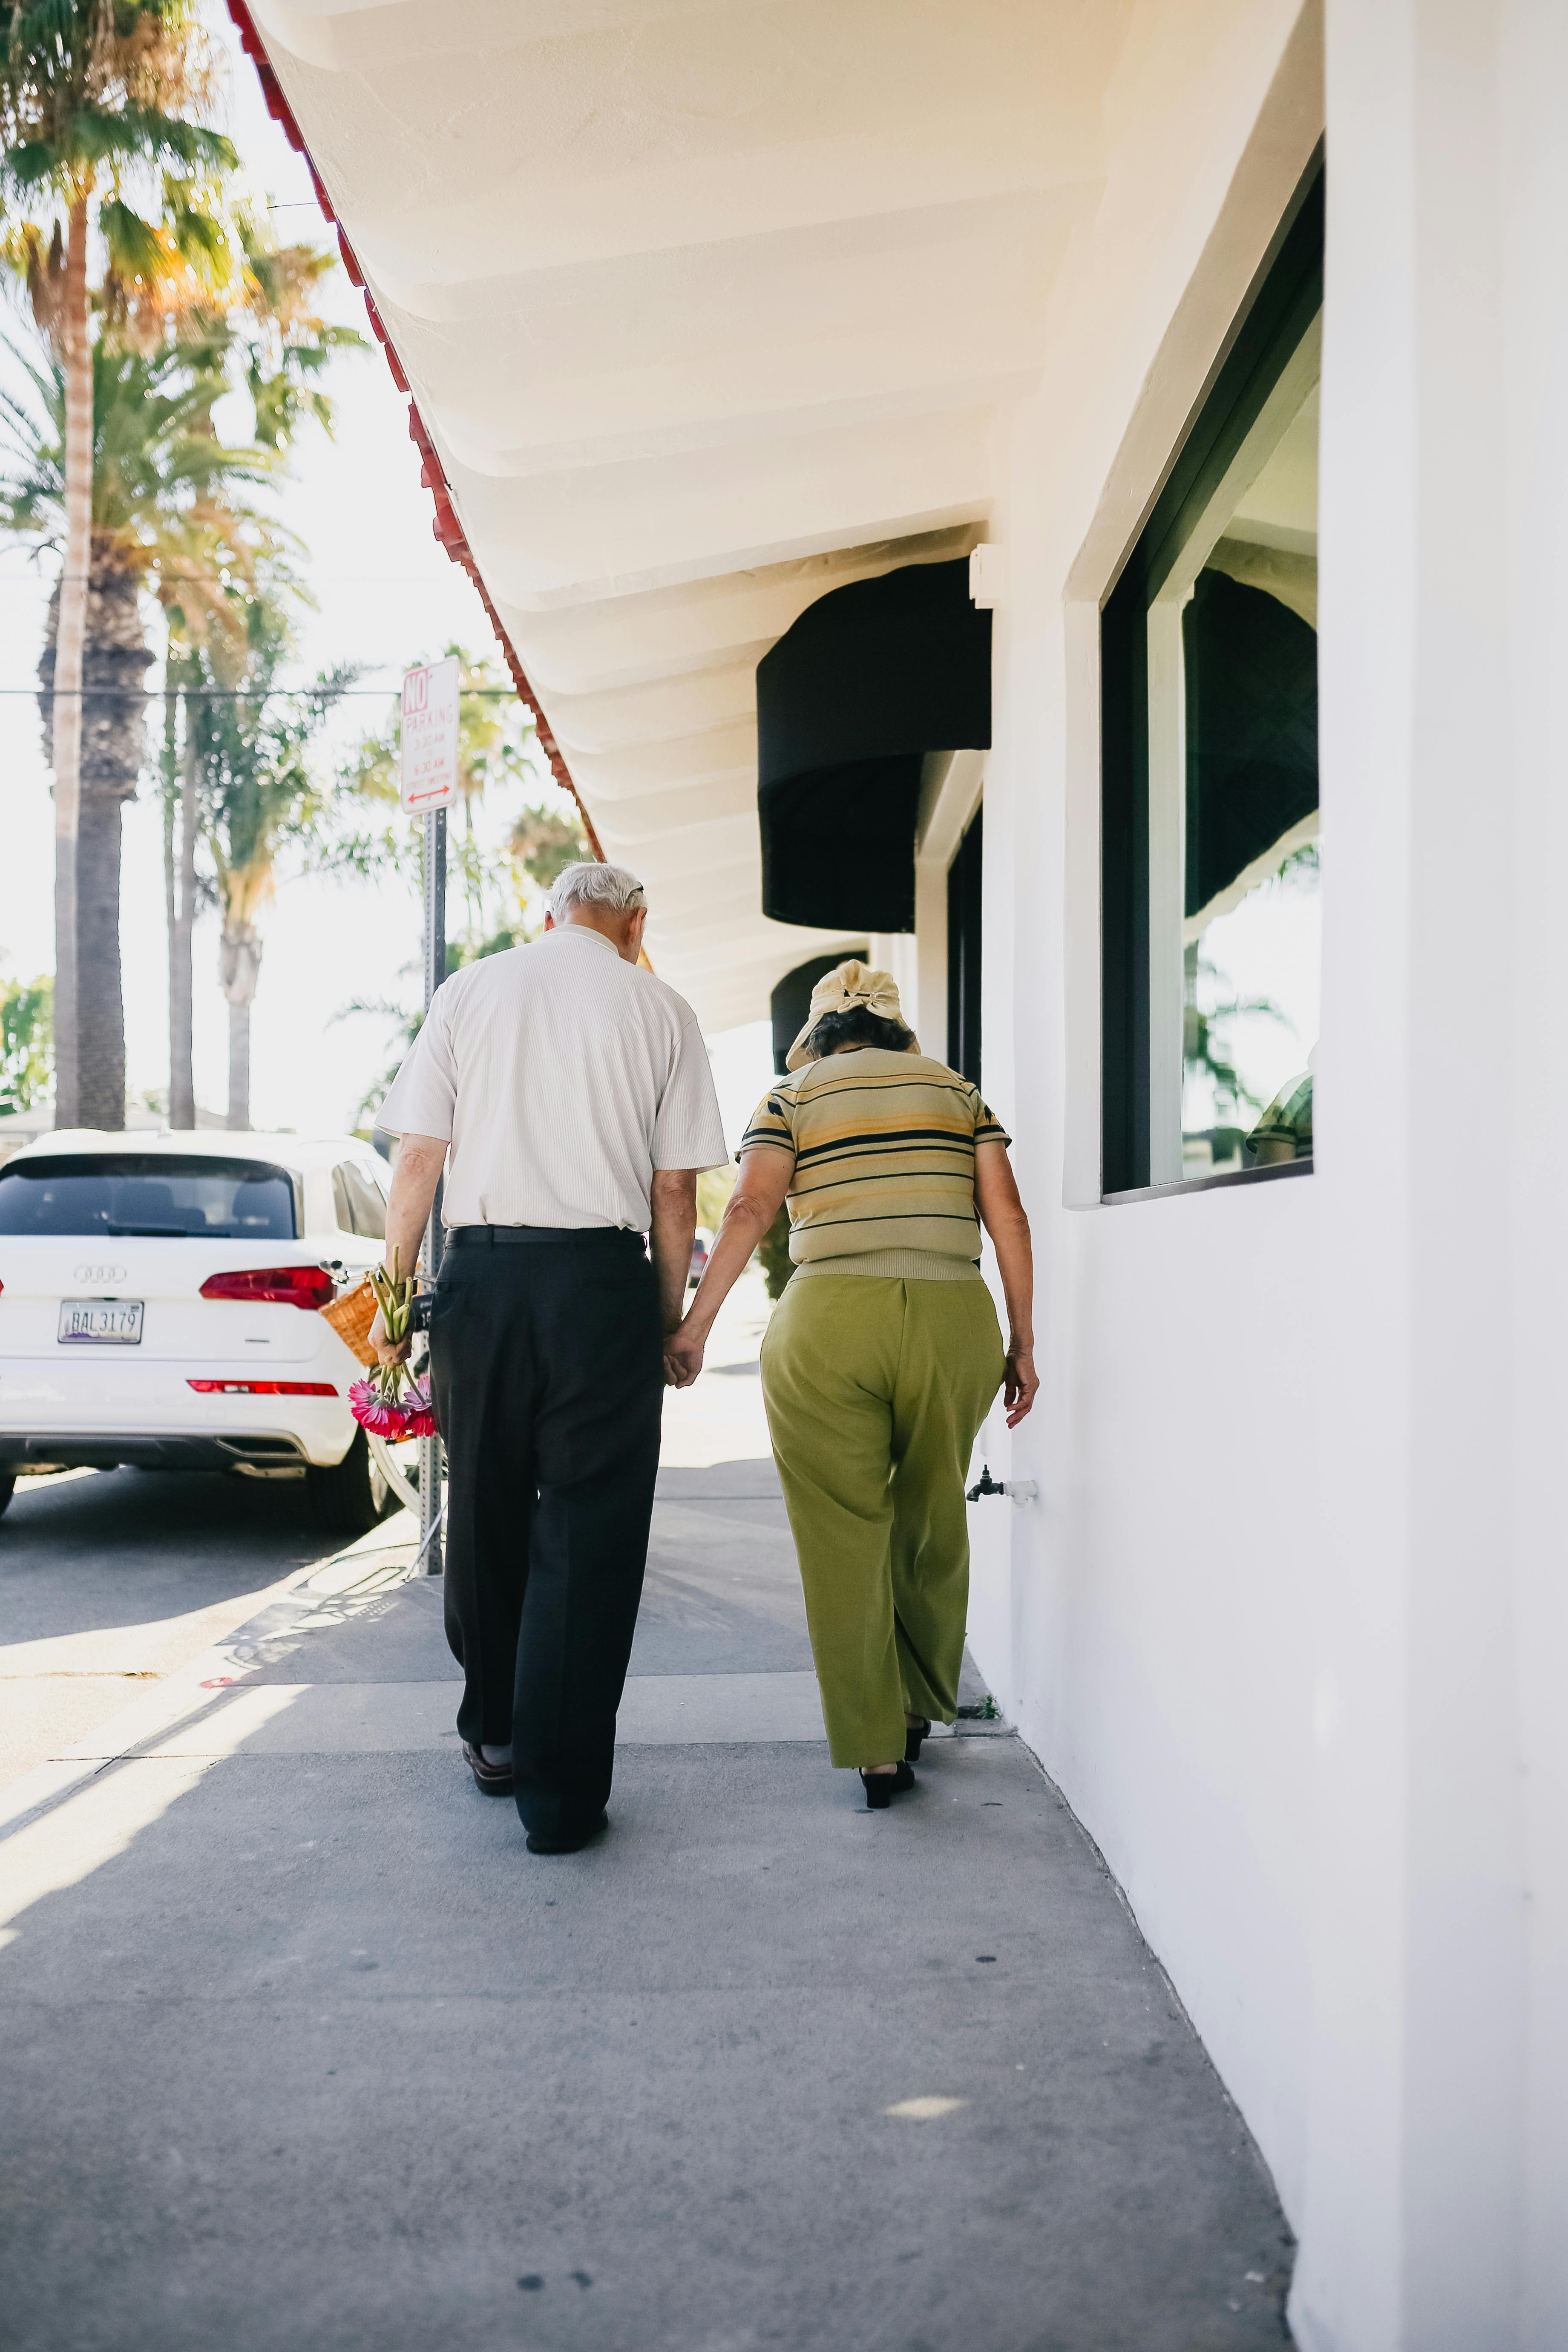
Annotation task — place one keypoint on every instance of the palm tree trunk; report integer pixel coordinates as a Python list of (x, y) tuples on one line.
[(100, 1007), (240, 1061), (170, 769), (77, 354), (181, 1067), (113, 737), (240, 968)]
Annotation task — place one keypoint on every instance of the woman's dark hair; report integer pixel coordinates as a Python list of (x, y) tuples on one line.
[(857, 1027)]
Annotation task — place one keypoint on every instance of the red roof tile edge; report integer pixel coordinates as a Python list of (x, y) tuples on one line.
[(446, 526)]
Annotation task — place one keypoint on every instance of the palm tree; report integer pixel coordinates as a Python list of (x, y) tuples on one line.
[(100, 146), (177, 785), (277, 335), (257, 795), (544, 840), (493, 741), (167, 511), (275, 340)]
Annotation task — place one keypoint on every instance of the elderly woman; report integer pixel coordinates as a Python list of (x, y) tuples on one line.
[(883, 1355)]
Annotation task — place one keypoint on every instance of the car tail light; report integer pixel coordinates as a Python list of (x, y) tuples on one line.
[(262, 1388), (284, 1286)]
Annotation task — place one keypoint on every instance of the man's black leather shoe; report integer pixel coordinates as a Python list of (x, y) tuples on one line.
[(495, 1780), (569, 1845)]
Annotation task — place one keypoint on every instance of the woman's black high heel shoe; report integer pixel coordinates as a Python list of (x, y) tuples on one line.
[(881, 1787), (912, 1740)]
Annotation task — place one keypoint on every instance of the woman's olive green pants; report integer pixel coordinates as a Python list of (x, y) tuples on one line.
[(875, 1390)]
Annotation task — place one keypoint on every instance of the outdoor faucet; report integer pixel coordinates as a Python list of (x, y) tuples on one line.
[(1021, 1490)]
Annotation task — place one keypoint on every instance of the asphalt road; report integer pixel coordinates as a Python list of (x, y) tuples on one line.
[(111, 1579)]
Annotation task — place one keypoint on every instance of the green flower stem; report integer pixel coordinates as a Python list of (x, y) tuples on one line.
[(395, 1300)]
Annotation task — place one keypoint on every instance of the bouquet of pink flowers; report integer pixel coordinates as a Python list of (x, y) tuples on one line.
[(392, 1403)]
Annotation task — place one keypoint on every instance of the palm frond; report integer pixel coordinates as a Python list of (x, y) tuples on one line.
[(136, 249), (33, 163), (144, 134)]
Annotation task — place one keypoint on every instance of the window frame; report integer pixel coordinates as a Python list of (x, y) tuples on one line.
[(965, 916), (1280, 310)]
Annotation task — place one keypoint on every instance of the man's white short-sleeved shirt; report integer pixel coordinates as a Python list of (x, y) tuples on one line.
[(562, 1077)]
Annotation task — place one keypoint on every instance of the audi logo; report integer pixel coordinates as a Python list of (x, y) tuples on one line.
[(98, 1274)]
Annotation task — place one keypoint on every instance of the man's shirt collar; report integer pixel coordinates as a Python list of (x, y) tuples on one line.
[(582, 931)]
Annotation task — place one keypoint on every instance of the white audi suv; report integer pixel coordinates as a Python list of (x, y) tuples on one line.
[(159, 1300)]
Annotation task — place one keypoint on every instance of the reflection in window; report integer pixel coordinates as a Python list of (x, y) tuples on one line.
[(1233, 716), (1247, 1042), (357, 1203), (1210, 662)]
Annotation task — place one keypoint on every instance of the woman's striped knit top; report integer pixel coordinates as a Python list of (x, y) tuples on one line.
[(884, 1164)]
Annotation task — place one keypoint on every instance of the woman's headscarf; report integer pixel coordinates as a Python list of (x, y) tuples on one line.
[(847, 987)]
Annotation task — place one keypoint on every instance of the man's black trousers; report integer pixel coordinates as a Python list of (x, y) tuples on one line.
[(547, 1368)]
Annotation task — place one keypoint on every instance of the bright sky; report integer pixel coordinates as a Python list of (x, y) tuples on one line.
[(387, 595)]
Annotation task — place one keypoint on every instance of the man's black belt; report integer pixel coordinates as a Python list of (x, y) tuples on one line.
[(543, 1237)]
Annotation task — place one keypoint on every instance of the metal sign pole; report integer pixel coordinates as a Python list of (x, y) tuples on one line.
[(428, 758), (430, 1545)]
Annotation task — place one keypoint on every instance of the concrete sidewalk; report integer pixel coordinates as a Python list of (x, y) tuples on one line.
[(301, 2049)]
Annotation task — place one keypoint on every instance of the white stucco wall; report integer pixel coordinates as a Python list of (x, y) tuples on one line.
[(1142, 1624), (1287, 1624)]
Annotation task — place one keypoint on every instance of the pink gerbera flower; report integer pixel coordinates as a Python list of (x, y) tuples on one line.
[(419, 1412), (382, 1415)]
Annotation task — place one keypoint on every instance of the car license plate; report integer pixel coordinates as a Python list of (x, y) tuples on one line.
[(101, 1322)]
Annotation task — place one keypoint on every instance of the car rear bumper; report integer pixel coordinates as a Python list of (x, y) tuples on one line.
[(151, 1450), (85, 1414)]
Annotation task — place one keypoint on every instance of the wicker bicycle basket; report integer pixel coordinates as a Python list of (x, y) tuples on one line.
[(351, 1318)]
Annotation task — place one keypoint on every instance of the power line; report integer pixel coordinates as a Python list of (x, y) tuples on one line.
[(387, 579), (237, 693)]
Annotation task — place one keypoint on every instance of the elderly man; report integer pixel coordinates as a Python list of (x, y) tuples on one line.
[(569, 1097)]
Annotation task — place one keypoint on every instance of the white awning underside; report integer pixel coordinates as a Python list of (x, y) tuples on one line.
[(708, 306)]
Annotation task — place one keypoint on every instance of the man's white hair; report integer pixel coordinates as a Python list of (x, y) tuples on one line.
[(592, 884)]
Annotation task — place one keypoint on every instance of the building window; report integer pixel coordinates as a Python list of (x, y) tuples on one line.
[(964, 954), (1209, 729)]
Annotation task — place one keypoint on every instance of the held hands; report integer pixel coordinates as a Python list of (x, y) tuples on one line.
[(683, 1349), (1020, 1382)]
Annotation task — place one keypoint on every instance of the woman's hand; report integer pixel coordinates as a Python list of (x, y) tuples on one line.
[(1002, 1214), (383, 1346), (755, 1202), (1020, 1383), (683, 1356)]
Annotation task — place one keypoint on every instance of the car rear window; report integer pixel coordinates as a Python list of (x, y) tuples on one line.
[(148, 1192)]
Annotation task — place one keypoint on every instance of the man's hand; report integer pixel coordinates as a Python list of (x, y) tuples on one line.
[(383, 1345), (683, 1356), (1020, 1383)]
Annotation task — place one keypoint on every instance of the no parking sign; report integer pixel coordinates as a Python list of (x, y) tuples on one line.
[(429, 779)]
